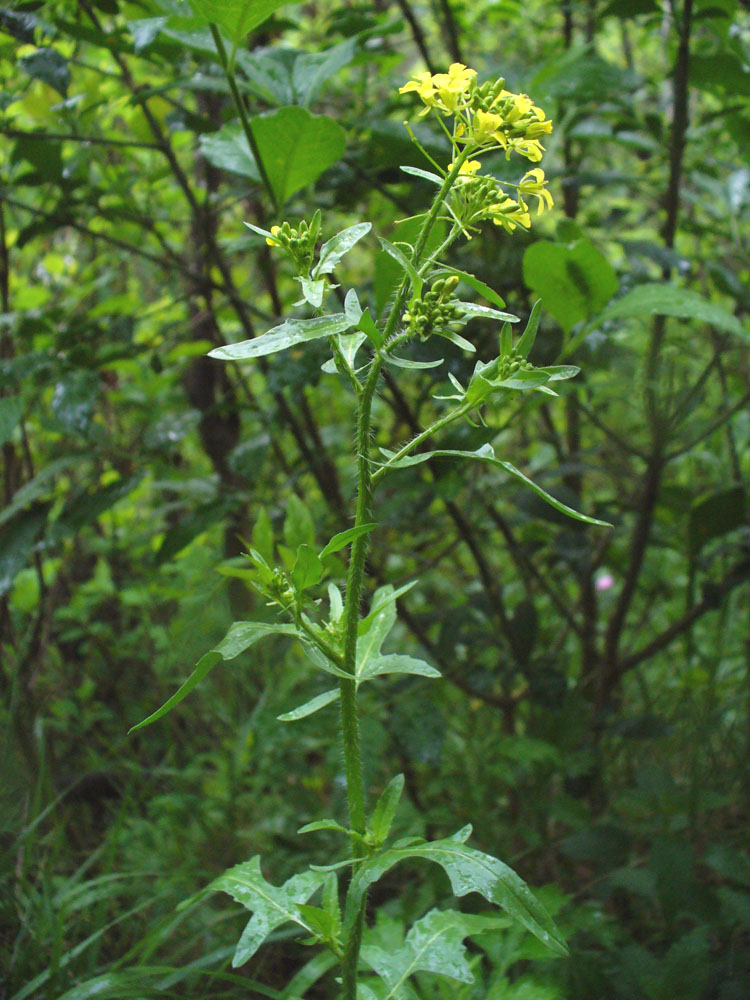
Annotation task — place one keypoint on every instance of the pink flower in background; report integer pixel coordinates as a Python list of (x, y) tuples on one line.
[(605, 581)]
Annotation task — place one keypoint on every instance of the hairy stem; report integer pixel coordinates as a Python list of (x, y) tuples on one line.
[(355, 578)]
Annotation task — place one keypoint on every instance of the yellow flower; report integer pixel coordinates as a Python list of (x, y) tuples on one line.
[(274, 231), (530, 148), (485, 127), (533, 183), (509, 214), (443, 90), (467, 169)]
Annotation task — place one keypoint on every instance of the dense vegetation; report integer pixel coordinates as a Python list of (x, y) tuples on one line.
[(593, 717)]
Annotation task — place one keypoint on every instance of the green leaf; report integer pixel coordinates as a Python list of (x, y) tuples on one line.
[(391, 359), (385, 809), (344, 538), (405, 264), (529, 334), (228, 149), (469, 870), (374, 629), (17, 541), (262, 536), (473, 282), (241, 636), (324, 824), (312, 70), (313, 291), (334, 249), (426, 175), (236, 18), (308, 569), (289, 333), (296, 147), (272, 906), (314, 705), (434, 944), (486, 454), (473, 310), (299, 527), (664, 299), (49, 66), (716, 515), (574, 280), (396, 663), (11, 410)]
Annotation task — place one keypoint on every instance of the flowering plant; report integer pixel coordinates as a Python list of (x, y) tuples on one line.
[(300, 582)]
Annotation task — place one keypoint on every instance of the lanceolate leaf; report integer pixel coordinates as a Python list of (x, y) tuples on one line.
[(383, 813), (314, 705), (272, 906), (395, 663), (469, 870), (334, 249), (289, 333), (344, 538), (241, 636), (486, 454)]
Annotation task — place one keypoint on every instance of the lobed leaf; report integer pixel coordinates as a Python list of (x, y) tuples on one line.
[(272, 906), (469, 870)]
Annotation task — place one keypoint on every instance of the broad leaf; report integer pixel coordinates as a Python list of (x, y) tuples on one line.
[(228, 149), (664, 299), (575, 281), (241, 636), (289, 333), (236, 18), (486, 454), (296, 147), (469, 870), (272, 906)]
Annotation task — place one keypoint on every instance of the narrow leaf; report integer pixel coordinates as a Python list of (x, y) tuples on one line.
[(406, 265), (241, 636), (529, 334), (486, 454), (334, 249), (344, 538), (385, 809), (314, 705)]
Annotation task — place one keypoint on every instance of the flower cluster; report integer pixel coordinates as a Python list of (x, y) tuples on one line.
[(486, 115), (478, 197), (436, 311), (299, 243)]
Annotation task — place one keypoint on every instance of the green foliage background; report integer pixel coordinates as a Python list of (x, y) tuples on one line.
[(594, 718)]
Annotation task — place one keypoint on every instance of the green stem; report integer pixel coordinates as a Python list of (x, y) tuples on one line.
[(240, 106), (416, 441), (348, 688)]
